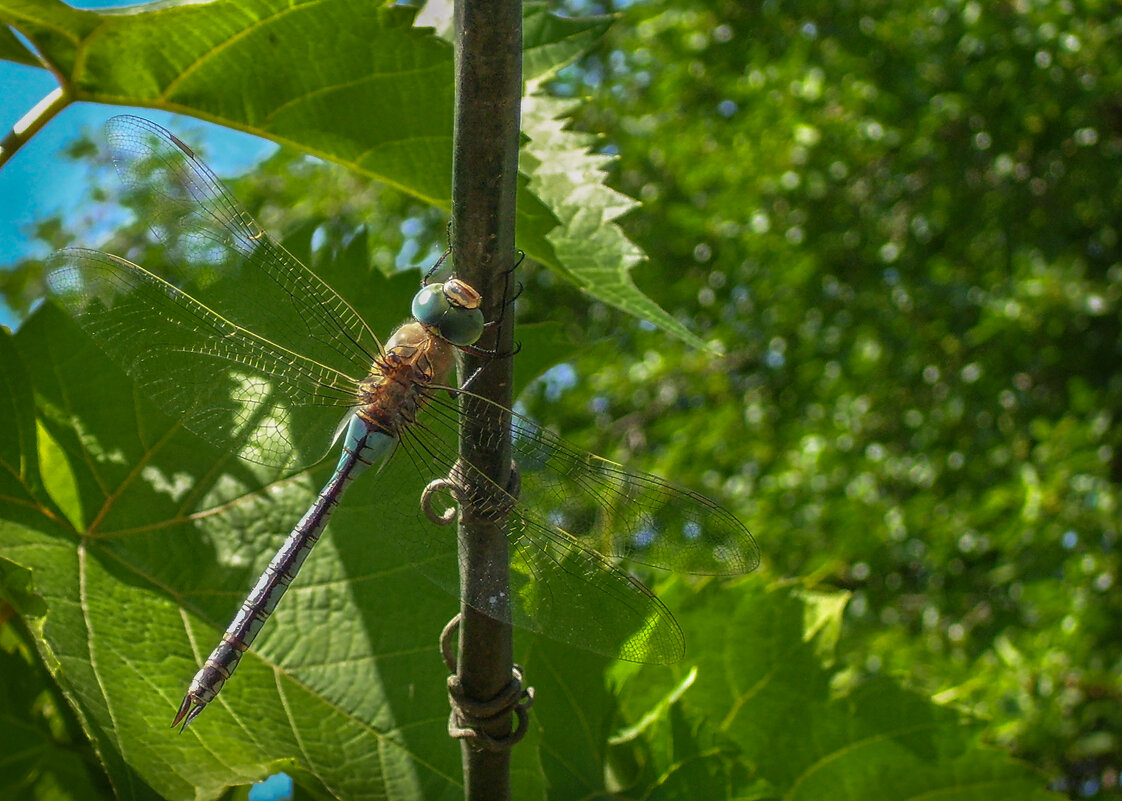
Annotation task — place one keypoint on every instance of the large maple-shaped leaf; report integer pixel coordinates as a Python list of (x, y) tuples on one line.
[(136, 564), (127, 543), (348, 81)]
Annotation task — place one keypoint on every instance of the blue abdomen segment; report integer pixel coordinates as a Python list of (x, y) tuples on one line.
[(363, 445), (366, 445)]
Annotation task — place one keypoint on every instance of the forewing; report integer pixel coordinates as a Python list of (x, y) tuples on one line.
[(220, 255), (228, 385)]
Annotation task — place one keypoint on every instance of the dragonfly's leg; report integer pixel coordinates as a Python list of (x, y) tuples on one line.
[(506, 282), (489, 352), (508, 302), (475, 350), (436, 266), (447, 252)]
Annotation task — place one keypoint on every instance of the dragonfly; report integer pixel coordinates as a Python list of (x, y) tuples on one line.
[(253, 352)]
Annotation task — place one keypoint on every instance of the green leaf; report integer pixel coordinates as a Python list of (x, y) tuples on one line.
[(572, 716), (55, 30), (19, 469), (174, 533), (344, 688), (377, 100), (12, 49), (762, 698), (40, 761), (58, 478), (550, 42), (165, 536), (592, 251)]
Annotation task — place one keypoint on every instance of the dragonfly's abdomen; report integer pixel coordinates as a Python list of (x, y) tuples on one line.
[(362, 447), (388, 402)]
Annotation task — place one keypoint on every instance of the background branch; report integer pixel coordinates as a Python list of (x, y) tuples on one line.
[(32, 122)]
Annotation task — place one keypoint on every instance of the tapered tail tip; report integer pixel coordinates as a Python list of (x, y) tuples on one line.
[(188, 711)]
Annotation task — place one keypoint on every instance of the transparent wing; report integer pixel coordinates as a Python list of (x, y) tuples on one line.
[(624, 514), (221, 256), (559, 586), (230, 386), (578, 515)]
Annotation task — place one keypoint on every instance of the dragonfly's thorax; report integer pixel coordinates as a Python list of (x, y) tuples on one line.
[(397, 385)]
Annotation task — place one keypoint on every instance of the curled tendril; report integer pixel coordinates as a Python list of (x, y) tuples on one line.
[(427, 495), (492, 507), (468, 716), (448, 642)]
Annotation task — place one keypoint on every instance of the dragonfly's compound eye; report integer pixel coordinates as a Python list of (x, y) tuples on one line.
[(430, 304), (438, 309), (462, 326)]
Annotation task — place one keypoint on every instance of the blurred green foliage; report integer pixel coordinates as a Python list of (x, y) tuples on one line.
[(899, 221)]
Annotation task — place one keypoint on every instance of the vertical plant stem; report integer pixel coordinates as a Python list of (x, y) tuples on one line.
[(484, 184)]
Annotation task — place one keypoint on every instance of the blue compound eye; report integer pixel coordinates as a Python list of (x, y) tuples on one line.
[(439, 306), (462, 326), (430, 305)]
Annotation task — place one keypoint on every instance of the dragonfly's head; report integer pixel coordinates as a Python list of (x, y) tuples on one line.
[(451, 309)]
